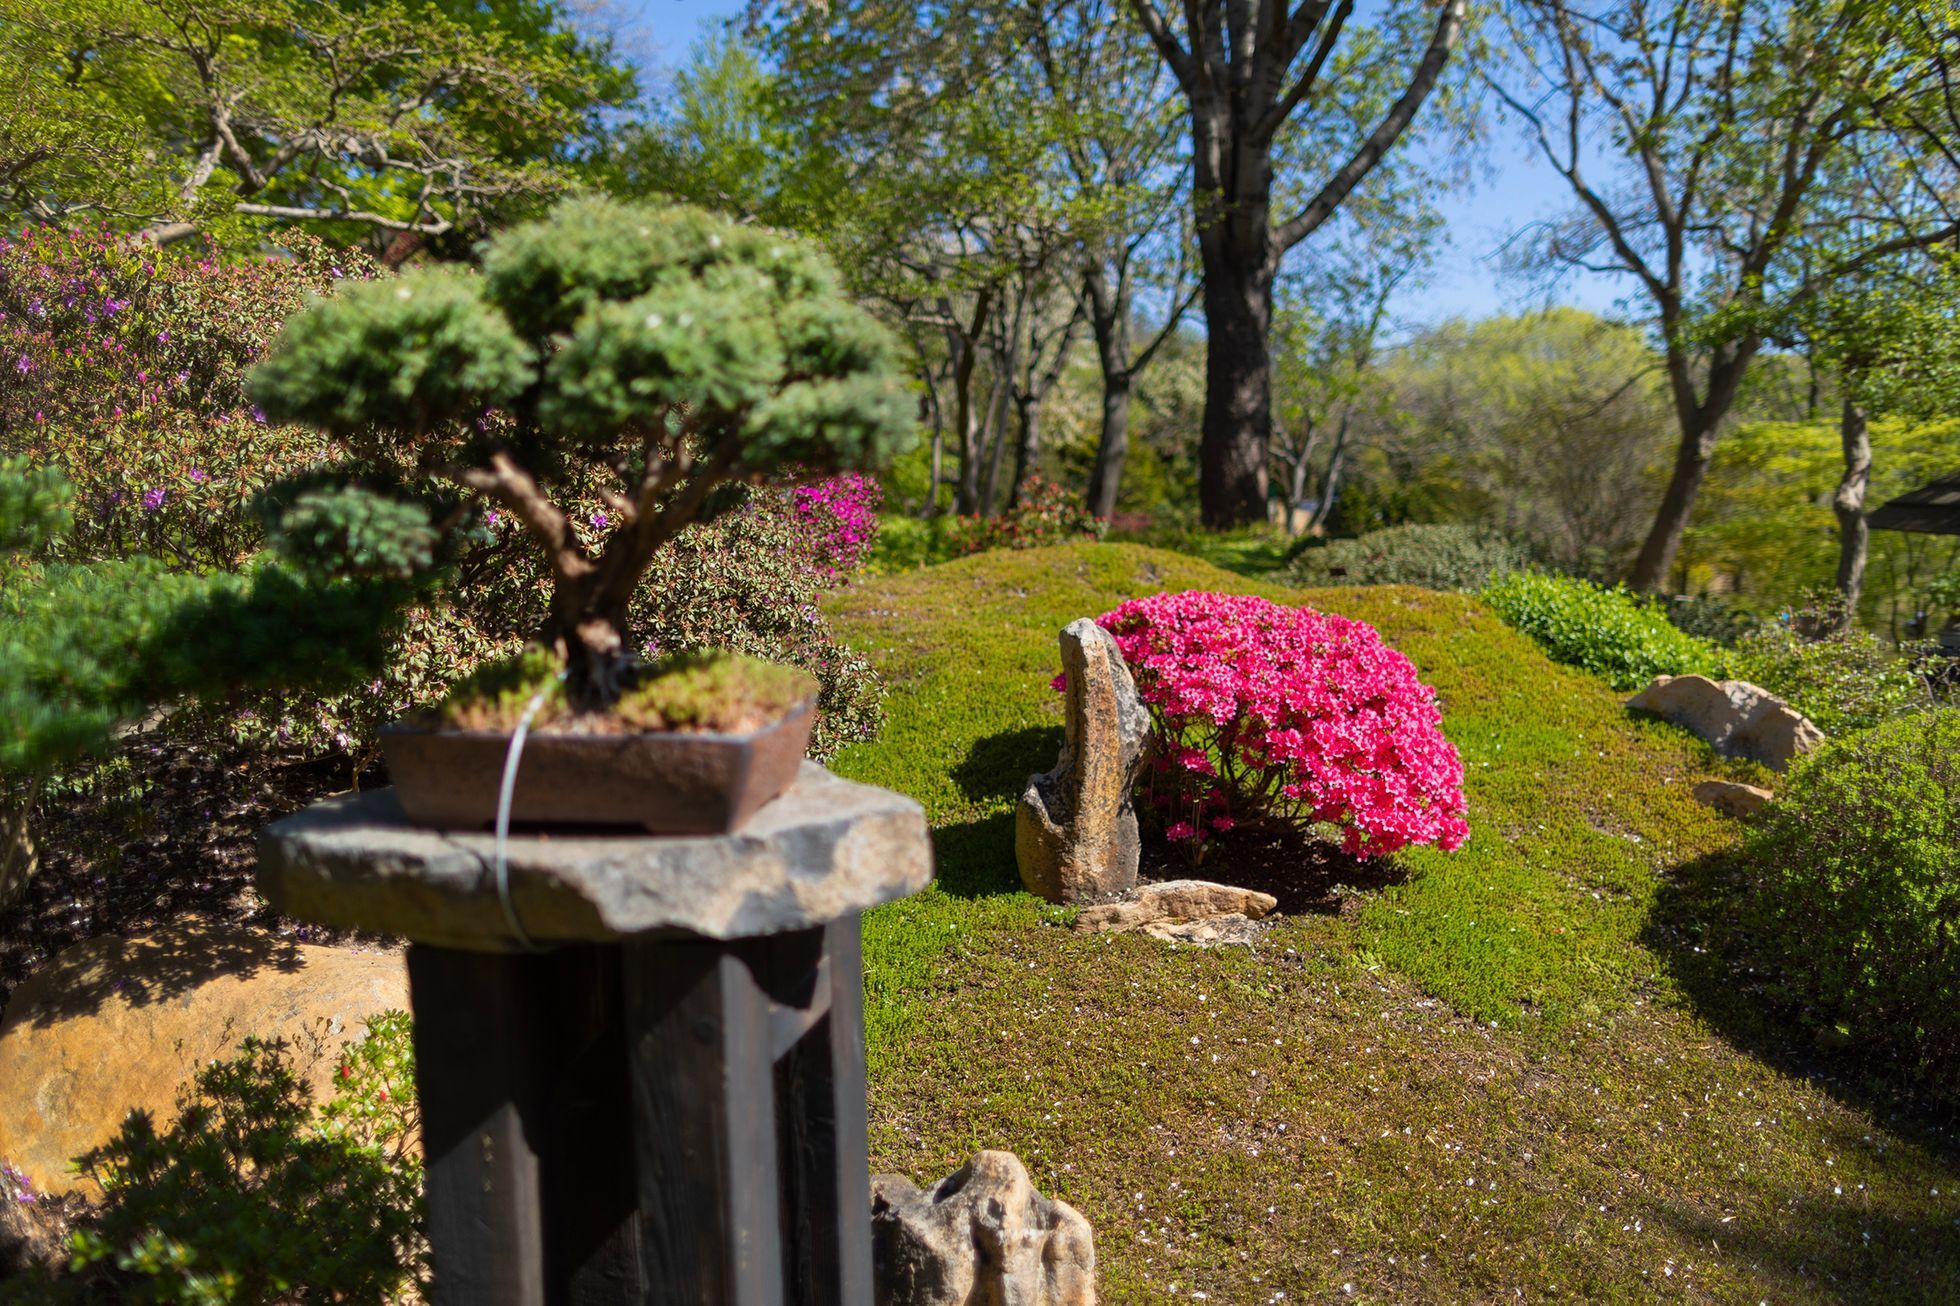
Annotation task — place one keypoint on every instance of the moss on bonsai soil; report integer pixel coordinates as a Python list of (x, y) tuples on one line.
[(715, 692)]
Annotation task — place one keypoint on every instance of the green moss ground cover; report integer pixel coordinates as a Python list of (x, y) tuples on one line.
[(1504, 1074)]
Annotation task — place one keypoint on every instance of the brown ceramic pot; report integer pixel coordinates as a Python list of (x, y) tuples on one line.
[(664, 782)]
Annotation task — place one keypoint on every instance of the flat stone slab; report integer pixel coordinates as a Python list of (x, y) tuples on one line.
[(825, 848)]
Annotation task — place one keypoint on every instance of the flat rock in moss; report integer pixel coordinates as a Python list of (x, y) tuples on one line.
[(1732, 797), (1163, 908), (826, 848), (1738, 718)]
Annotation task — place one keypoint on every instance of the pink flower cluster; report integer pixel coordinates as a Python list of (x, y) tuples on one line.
[(1266, 712), (838, 519)]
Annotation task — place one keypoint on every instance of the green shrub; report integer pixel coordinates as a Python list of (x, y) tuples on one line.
[(1610, 632), (1437, 557), (250, 1196), (1855, 897), (1710, 617), (1839, 675)]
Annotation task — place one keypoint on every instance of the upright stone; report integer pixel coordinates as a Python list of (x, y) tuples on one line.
[(1075, 832)]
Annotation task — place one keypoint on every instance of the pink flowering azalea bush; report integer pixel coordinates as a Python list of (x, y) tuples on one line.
[(1269, 713), (837, 520)]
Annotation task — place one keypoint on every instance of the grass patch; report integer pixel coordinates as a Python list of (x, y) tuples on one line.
[(1475, 1082)]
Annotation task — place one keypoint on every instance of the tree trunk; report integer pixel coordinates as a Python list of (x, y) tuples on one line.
[(1330, 484), (1691, 460), (1854, 534), (996, 441), (1112, 445), (1238, 385), (1028, 446), (19, 858)]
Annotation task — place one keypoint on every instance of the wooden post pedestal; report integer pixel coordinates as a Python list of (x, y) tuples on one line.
[(667, 1104)]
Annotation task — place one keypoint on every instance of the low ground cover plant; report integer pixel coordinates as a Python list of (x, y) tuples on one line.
[(1434, 556), (1606, 630), (1269, 713), (1851, 903)]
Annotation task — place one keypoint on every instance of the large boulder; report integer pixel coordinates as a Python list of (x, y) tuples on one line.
[(1075, 832), (980, 1235), (1738, 718), (115, 1025)]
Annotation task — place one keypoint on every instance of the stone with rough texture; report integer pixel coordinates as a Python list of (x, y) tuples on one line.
[(1075, 832), (826, 848), (114, 1025), (982, 1235), (1738, 718), (1173, 903), (1732, 798), (1211, 932)]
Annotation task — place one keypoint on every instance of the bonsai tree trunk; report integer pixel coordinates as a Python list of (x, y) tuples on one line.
[(1854, 534)]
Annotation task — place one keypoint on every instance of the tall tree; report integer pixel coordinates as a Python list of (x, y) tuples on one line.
[(1246, 69), (1723, 132), (401, 120), (1115, 125)]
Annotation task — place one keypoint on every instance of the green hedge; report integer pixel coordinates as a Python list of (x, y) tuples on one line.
[(1854, 902), (1437, 557), (1608, 631)]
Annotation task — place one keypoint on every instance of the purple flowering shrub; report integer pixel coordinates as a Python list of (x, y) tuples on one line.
[(124, 366), (837, 518), (751, 580)]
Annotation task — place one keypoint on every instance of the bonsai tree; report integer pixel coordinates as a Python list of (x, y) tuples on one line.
[(604, 372)]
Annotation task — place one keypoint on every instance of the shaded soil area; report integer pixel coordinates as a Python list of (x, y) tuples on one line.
[(1305, 872), (164, 831)]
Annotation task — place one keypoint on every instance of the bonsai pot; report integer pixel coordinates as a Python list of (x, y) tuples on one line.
[(664, 782)]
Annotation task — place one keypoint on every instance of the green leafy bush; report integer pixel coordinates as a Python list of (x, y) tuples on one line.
[(1854, 901), (250, 1196), (1839, 675), (1437, 557), (1608, 631), (1711, 617)]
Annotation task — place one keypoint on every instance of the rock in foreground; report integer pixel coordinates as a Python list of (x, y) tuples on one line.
[(980, 1235), (115, 1025), (1739, 719)]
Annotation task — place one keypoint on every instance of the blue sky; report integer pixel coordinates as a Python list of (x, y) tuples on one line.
[(1466, 282)]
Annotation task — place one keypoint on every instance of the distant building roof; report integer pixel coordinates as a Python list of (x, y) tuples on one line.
[(1933, 509)]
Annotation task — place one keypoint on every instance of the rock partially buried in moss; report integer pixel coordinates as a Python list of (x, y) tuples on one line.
[(1161, 909), (1739, 719), (1732, 797), (982, 1234)]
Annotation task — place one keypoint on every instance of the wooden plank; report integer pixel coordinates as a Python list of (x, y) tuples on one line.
[(473, 1025), (827, 1201), (589, 1194), (704, 1114)]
